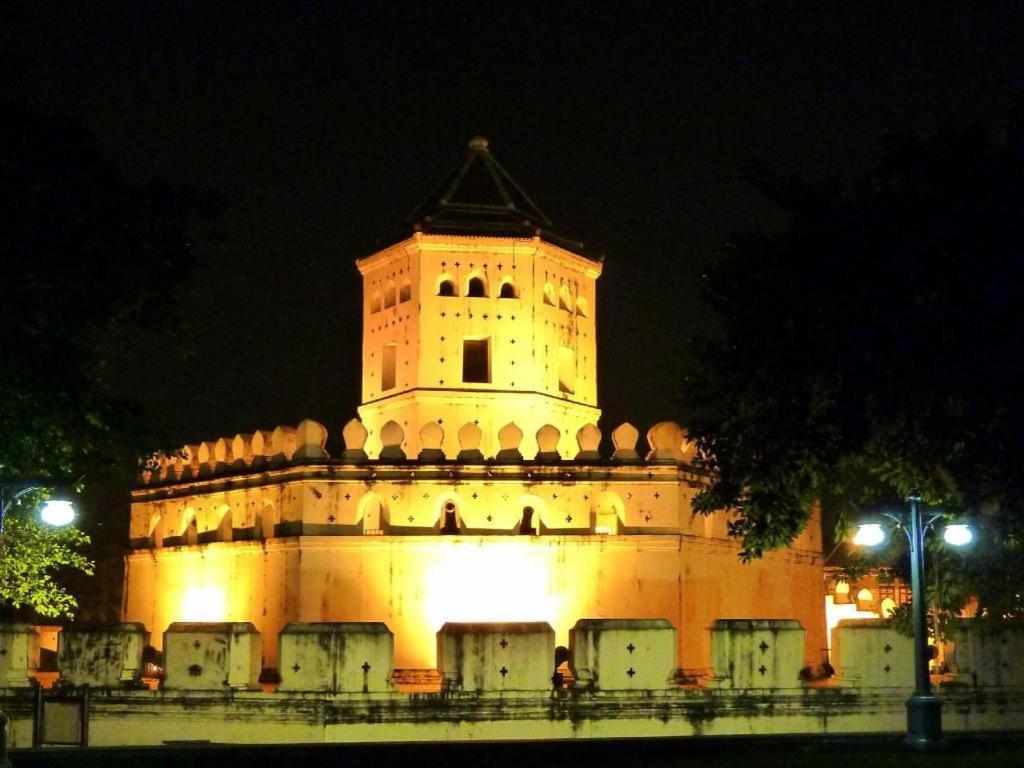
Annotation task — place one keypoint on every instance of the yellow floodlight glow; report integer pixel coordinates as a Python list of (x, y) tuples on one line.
[(203, 604), (499, 582), (958, 534), (869, 535)]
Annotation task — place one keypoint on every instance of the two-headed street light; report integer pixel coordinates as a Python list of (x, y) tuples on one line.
[(924, 710)]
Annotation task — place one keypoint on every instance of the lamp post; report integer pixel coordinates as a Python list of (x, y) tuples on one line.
[(924, 710), (56, 511)]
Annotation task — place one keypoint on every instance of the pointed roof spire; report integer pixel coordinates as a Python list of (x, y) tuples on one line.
[(479, 198)]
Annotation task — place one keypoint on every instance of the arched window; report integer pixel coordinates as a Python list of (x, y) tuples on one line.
[(581, 307), (475, 288), (390, 292), (865, 600), (405, 293), (507, 290), (565, 299), (446, 287), (888, 606), (375, 303), (549, 295)]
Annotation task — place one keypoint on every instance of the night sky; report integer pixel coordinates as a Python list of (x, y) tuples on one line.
[(323, 126)]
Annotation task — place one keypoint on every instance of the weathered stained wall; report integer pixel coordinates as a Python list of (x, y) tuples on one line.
[(416, 583)]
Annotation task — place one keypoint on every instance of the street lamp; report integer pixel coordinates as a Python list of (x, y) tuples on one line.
[(57, 511), (924, 710)]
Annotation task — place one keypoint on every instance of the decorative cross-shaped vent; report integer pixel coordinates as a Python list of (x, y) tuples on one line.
[(631, 672), (887, 648), (630, 647), (763, 646), (887, 669), (366, 667), (296, 667), (503, 671), (762, 669), (503, 643)]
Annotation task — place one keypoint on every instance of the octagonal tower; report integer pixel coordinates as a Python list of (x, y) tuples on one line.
[(479, 314)]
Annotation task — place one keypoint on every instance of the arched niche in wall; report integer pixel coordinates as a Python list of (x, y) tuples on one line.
[(865, 600), (220, 522), (372, 515), (476, 286), (565, 298), (375, 302), (549, 295), (508, 289), (189, 527), (267, 520), (582, 308), (156, 531), (608, 513), (887, 607), (390, 295), (405, 292), (446, 285)]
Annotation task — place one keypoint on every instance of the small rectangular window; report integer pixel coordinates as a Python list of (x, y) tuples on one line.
[(387, 367), (566, 370), (476, 361)]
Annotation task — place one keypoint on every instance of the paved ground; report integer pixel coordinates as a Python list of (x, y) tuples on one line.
[(863, 752)]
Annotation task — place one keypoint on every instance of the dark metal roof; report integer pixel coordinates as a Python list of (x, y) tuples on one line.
[(480, 198)]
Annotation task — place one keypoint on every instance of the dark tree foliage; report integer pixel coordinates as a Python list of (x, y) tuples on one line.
[(90, 264), (874, 346)]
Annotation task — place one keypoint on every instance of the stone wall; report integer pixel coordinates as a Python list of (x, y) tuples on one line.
[(218, 702)]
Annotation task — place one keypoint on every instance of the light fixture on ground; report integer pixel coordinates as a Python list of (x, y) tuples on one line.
[(924, 710)]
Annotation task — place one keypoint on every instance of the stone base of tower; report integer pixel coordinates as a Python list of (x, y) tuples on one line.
[(489, 410)]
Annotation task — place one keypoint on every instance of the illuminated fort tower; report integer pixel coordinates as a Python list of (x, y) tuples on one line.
[(481, 493), (480, 315)]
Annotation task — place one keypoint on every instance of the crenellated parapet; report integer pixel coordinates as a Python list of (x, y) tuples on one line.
[(280, 483), (667, 442)]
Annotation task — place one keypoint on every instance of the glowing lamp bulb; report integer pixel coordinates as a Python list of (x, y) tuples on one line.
[(958, 534), (869, 535), (57, 512)]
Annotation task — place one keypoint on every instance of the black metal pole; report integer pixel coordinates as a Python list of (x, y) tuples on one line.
[(924, 710)]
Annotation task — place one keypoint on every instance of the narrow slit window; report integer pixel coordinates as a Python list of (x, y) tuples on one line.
[(476, 361), (387, 367)]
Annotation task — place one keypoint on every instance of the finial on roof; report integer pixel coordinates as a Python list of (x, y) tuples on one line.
[(478, 142)]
